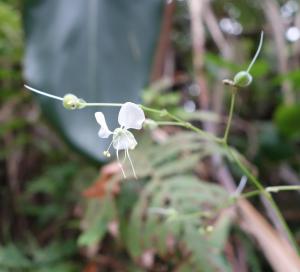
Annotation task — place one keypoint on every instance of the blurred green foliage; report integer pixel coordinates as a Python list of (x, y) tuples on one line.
[(41, 181), (166, 181), (46, 224), (287, 120)]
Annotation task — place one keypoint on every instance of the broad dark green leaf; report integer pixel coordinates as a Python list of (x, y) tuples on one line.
[(11, 257), (101, 51)]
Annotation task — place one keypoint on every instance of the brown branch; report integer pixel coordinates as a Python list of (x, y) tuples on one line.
[(226, 51), (216, 33), (196, 8), (296, 46), (271, 10), (278, 252), (163, 43)]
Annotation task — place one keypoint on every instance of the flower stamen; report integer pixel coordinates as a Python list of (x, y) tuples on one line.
[(127, 152), (120, 164), (106, 153)]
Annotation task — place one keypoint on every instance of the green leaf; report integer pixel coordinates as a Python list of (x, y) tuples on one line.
[(174, 167), (293, 76), (98, 215), (287, 120), (12, 257), (167, 182), (187, 195), (217, 62), (10, 34), (273, 145), (101, 51)]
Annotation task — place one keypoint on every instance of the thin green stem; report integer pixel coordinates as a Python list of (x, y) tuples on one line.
[(257, 52), (265, 193), (249, 194), (231, 201), (228, 125), (166, 123), (180, 122), (271, 189), (101, 104), (85, 104), (43, 93), (276, 189)]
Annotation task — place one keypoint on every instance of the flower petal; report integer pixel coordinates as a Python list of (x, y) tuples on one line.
[(104, 132), (123, 140), (131, 116)]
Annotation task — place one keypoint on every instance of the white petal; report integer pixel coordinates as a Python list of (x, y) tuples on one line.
[(123, 139), (104, 132), (131, 116)]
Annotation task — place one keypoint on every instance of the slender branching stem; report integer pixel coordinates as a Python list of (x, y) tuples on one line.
[(234, 155), (263, 192), (228, 125), (182, 123)]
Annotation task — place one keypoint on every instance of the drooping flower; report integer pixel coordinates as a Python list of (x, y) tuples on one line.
[(131, 116)]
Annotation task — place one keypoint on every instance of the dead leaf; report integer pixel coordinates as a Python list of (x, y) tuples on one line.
[(99, 188)]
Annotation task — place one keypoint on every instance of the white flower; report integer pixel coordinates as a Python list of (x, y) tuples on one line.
[(130, 116)]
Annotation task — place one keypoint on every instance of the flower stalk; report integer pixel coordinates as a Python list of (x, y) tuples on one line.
[(231, 110)]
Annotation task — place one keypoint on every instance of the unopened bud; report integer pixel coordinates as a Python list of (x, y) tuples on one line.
[(242, 79), (106, 154), (72, 102)]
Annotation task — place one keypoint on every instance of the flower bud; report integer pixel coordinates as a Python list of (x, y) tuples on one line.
[(242, 79), (72, 102)]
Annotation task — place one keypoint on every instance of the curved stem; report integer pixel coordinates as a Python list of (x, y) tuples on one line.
[(85, 104), (228, 125), (180, 122), (43, 93), (257, 52)]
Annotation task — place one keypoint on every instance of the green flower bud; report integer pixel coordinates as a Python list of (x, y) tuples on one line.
[(242, 79), (72, 102)]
